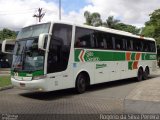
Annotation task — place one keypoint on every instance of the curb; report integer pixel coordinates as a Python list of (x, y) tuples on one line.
[(7, 87), (145, 98)]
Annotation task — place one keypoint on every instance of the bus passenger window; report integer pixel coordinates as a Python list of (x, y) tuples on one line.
[(101, 44), (98, 38), (108, 42), (129, 45), (83, 38), (152, 46), (119, 43), (105, 43), (137, 45), (118, 47), (146, 47)]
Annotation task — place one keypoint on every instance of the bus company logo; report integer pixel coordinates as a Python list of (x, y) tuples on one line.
[(87, 56), (81, 56), (152, 57), (100, 66)]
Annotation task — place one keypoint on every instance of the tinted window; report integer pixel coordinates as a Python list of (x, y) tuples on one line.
[(59, 49), (129, 44), (152, 47), (103, 40), (62, 33), (149, 46), (99, 40), (137, 45), (146, 46), (119, 43), (9, 48), (5, 59), (84, 38), (108, 40)]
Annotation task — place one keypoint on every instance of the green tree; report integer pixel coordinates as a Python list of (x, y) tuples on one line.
[(148, 31), (88, 18), (7, 34), (111, 22), (93, 19), (116, 24), (127, 28), (152, 27), (154, 18)]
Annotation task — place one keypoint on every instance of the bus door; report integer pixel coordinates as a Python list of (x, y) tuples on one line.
[(58, 57)]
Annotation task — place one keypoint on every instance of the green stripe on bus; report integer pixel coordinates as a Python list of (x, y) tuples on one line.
[(149, 56), (100, 56), (143, 56), (38, 73), (76, 54), (133, 56), (130, 65), (119, 56), (26, 74), (92, 55)]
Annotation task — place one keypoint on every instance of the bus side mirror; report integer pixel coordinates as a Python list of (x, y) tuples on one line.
[(8, 46), (42, 41)]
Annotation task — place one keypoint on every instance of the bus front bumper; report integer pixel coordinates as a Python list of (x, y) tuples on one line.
[(33, 85)]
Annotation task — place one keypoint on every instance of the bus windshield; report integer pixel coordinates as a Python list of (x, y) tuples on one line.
[(33, 31), (26, 55)]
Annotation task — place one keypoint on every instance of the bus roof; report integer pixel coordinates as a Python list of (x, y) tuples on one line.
[(104, 29), (109, 30), (114, 31)]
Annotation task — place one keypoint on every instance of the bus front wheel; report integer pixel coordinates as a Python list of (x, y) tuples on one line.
[(81, 83)]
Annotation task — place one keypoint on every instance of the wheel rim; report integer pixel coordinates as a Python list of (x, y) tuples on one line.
[(82, 84)]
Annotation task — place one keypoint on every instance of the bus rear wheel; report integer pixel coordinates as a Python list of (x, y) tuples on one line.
[(81, 83), (146, 73), (140, 74)]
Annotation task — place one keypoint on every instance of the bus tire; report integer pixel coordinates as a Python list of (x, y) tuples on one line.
[(140, 74), (146, 73), (81, 83)]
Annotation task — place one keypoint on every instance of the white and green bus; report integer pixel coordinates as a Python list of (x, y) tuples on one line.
[(57, 55)]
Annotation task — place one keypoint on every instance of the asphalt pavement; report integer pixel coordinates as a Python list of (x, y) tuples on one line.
[(118, 97)]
